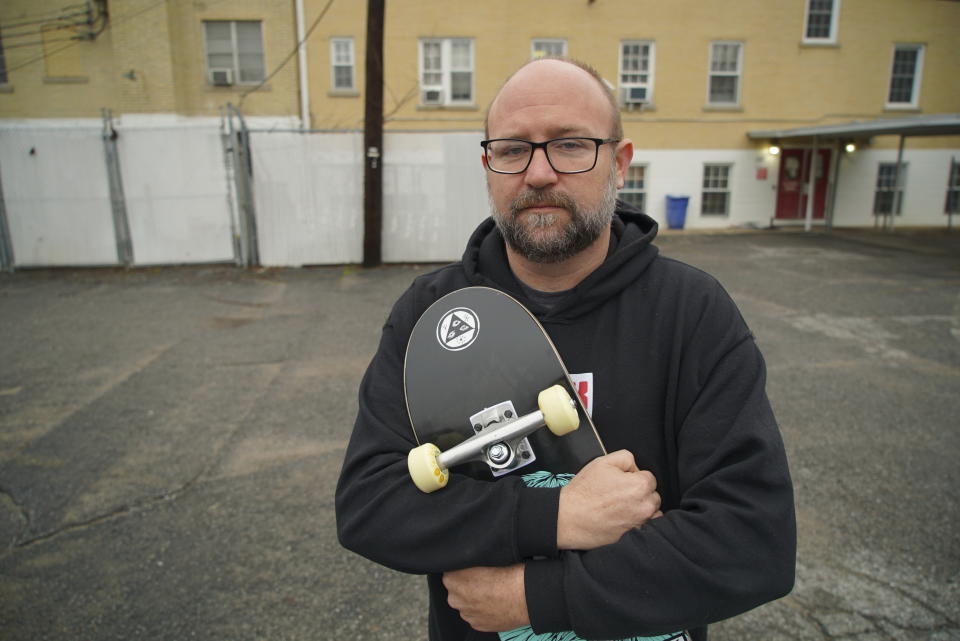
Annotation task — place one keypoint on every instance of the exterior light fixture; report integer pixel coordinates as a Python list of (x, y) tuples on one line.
[(850, 148), (773, 150)]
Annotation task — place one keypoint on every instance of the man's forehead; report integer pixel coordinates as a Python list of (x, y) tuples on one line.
[(555, 98)]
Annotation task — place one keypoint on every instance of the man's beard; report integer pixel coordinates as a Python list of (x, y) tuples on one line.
[(584, 227)]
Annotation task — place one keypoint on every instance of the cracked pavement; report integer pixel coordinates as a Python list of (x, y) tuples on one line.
[(170, 440)]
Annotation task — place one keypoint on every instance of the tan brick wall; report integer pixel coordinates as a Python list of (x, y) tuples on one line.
[(149, 59), (784, 83)]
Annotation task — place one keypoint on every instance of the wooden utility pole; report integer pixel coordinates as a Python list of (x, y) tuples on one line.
[(373, 137)]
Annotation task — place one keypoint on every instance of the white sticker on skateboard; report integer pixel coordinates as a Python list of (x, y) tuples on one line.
[(457, 329)]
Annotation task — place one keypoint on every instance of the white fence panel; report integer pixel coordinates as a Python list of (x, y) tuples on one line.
[(56, 195), (434, 195), (308, 190), (175, 184)]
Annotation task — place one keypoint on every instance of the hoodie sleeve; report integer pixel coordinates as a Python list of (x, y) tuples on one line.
[(728, 542), (384, 517)]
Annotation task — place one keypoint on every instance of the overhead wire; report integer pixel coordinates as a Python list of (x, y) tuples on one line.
[(39, 20), (61, 21), (106, 24), (73, 43)]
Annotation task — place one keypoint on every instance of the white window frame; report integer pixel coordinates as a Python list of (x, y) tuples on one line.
[(917, 76), (536, 52), (832, 37), (737, 74), (627, 85), (445, 86), (235, 50), (336, 63), (712, 189), (629, 190)]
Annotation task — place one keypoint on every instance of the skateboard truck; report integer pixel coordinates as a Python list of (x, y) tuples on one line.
[(499, 441), (510, 453)]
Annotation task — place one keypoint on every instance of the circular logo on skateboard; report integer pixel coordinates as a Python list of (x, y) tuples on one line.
[(458, 329)]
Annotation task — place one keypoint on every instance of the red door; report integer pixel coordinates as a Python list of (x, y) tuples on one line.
[(794, 183)]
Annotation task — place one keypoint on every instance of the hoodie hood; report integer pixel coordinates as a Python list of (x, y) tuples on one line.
[(631, 252)]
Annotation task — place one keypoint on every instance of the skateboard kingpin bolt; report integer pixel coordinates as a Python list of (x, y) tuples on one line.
[(508, 414), (498, 453), (477, 428)]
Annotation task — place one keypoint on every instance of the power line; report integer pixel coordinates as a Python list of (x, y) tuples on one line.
[(36, 43), (289, 57), (106, 25), (39, 20), (59, 22)]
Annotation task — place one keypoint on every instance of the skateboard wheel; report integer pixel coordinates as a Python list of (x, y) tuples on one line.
[(559, 413), (427, 475)]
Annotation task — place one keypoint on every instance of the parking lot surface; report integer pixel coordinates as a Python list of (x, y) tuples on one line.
[(170, 440)]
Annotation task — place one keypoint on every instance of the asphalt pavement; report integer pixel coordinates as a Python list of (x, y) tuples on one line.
[(170, 440)]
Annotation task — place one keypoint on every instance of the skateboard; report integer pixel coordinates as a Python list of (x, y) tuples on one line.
[(488, 395)]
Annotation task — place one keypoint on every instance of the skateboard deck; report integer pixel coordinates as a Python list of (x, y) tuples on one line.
[(477, 359), (477, 364)]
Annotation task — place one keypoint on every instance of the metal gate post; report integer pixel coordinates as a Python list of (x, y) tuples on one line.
[(118, 203), (243, 177)]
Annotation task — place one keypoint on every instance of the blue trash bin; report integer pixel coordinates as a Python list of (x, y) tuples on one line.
[(677, 211)]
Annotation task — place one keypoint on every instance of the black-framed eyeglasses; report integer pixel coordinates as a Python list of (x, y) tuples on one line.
[(565, 155)]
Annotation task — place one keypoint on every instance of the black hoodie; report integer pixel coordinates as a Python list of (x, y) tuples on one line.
[(678, 381)]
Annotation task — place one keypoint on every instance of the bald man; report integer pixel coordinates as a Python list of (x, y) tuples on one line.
[(690, 519)]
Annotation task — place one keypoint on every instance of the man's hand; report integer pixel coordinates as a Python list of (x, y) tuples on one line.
[(489, 599), (607, 498)]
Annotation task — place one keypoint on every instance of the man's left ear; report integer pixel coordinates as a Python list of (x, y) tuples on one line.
[(623, 157)]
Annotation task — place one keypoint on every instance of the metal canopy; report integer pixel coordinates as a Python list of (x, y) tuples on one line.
[(930, 125)]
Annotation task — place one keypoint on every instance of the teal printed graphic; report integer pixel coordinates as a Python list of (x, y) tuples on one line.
[(546, 479), (526, 633)]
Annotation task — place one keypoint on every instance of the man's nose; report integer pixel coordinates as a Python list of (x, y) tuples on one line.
[(539, 173)]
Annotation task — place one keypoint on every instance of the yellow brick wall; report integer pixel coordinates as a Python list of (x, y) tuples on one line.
[(67, 78), (149, 59), (784, 83), (195, 96), (141, 57)]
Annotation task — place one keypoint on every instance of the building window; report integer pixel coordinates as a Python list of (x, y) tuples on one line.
[(636, 72), (820, 24), (725, 64), (905, 76), (446, 71), (548, 47), (887, 198), (634, 189), (234, 52), (341, 64), (716, 190)]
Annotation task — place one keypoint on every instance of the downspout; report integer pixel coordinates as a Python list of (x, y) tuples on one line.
[(302, 64)]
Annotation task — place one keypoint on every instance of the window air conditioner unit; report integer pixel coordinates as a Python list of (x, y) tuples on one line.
[(633, 96), (221, 77), (432, 97)]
